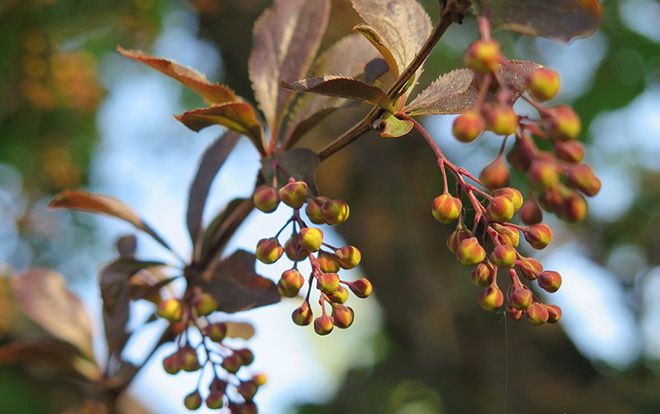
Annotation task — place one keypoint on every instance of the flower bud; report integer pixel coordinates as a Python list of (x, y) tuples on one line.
[(188, 359), (294, 193), (521, 298), (483, 56), (231, 363), (247, 389), (574, 209), (294, 250), (446, 208), (470, 252), (218, 385), (302, 315), (482, 275), (501, 119), (514, 314), (205, 304), (468, 126), (171, 364), (313, 210), (549, 281), (501, 209), (530, 212), (571, 151), (269, 250), (246, 356), (543, 174), (554, 313), (530, 268), (537, 314), (311, 239), (247, 407), (328, 283), (215, 331), (552, 199), (543, 84), (361, 288), (538, 236), (504, 256), (290, 283), (323, 325), (456, 237), (513, 195), (339, 296), (348, 257), (193, 400), (342, 316), (260, 379), (495, 174), (214, 400), (335, 212), (518, 158), (562, 123), (328, 262), (491, 298), (170, 309), (508, 235), (266, 199), (582, 177)]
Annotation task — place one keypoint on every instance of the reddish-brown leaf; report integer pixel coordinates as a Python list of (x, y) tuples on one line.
[(222, 227), (301, 163), (213, 92), (341, 87)]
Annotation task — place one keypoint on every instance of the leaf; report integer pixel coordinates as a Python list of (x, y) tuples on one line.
[(213, 92), (341, 87), (126, 245), (223, 226), (377, 41), (209, 166), (456, 92), (286, 38), (393, 127), (236, 286), (243, 330), (102, 204), (44, 298), (300, 163), (556, 19), (402, 26), (237, 116)]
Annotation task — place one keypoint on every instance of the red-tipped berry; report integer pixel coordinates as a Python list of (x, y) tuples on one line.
[(491, 298), (530, 212), (537, 314), (342, 316), (470, 252), (335, 212), (483, 56), (294, 193), (170, 309), (543, 84), (348, 257), (549, 281), (446, 208), (504, 256), (266, 199), (302, 315), (468, 126), (538, 236), (361, 288), (501, 209), (311, 239), (290, 283), (323, 325)]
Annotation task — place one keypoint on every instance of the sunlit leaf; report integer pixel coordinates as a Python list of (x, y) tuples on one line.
[(393, 127), (243, 330), (378, 43), (299, 163), (236, 286), (222, 227), (341, 87)]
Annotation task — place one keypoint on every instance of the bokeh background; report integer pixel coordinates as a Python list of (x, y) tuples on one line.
[(75, 114)]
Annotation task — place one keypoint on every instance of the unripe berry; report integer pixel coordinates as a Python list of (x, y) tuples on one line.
[(582, 177), (521, 298), (348, 257), (456, 237), (543, 174), (446, 208), (513, 195), (328, 262), (504, 256), (518, 158), (302, 315), (531, 213), (294, 193), (562, 123), (339, 296), (470, 252), (328, 282), (468, 126), (205, 304), (537, 314), (214, 400), (361, 288), (342, 316), (246, 356), (571, 151), (311, 239), (266, 199), (482, 275), (193, 400), (552, 199), (323, 325), (247, 389), (515, 314), (260, 379), (171, 364), (247, 407), (294, 250), (491, 298), (549, 281), (538, 236), (188, 359), (170, 309), (543, 84), (335, 212), (269, 250), (574, 209), (554, 313), (483, 56), (313, 210), (508, 235), (501, 209), (290, 283), (495, 174), (215, 331), (231, 363), (218, 386), (501, 119), (530, 268)]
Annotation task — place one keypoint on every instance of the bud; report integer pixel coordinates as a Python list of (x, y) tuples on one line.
[(530, 268), (456, 237), (266, 199), (339, 296), (311, 239), (501, 119), (170, 309), (549, 281), (260, 379), (328, 282), (513, 195), (302, 315), (508, 235), (218, 385), (446, 208), (537, 314), (543, 174), (538, 236), (582, 177), (247, 389), (335, 212), (574, 208), (552, 199), (269, 250), (188, 359), (515, 314), (342, 316), (470, 252), (313, 210), (171, 364), (571, 151), (495, 174), (543, 84), (521, 298), (246, 356), (483, 56), (214, 400), (361, 288), (554, 313), (231, 363), (530, 212), (294, 193), (215, 331), (491, 298), (468, 126), (328, 262), (193, 400), (323, 325), (562, 123), (518, 158), (501, 209), (205, 304), (290, 283), (348, 257), (294, 250), (247, 407), (504, 256), (482, 275)]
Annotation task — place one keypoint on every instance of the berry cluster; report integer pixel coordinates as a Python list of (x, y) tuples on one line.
[(306, 244), (226, 389)]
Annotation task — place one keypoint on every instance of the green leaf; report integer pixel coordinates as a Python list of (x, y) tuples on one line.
[(556, 19), (222, 227), (299, 163), (236, 286), (342, 87), (286, 38), (393, 127)]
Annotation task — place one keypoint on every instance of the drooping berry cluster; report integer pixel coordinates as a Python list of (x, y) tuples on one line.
[(226, 389), (306, 244)]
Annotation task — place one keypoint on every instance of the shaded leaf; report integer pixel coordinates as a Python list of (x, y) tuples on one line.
[(102, 204), (377, 42), (222, 227), (341, 87), (126, 245), (286, 38), (557, 19), (456, 91), (143, 288), (393, 127), (213, 92), (237, 116), (211, 162), (300, 163), (236, 286), (374, 70), (243, 330)]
